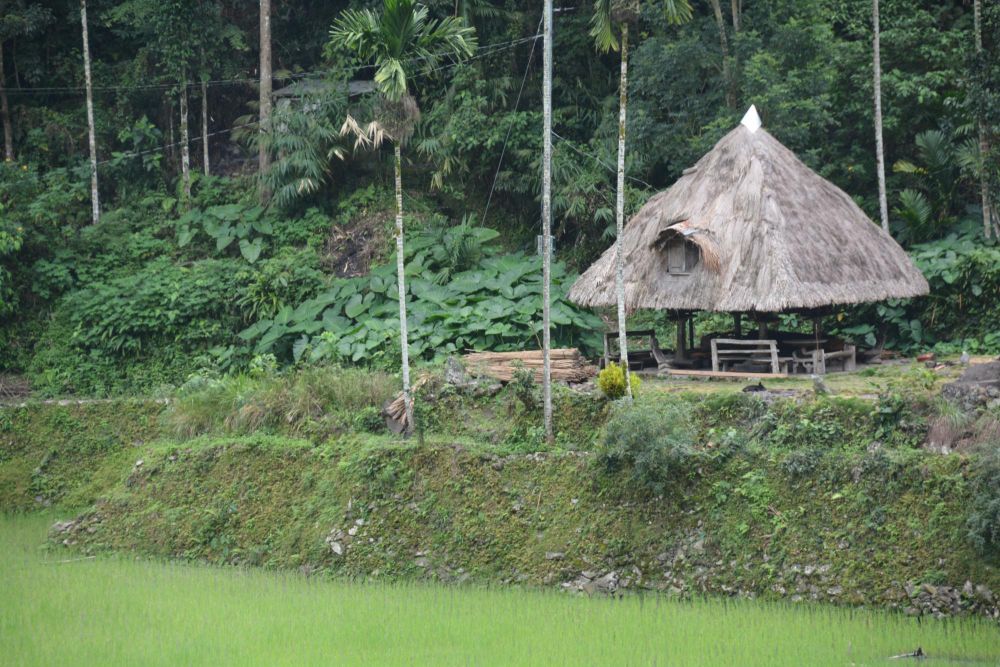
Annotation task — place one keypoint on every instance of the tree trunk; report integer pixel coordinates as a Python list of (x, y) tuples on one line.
[(547, 218), (620, 214), (265, 90), (727, 73), (883, 205), (185, 143), (8, 130), (404, 341), (95, 203), (984, 144), (204, 126)]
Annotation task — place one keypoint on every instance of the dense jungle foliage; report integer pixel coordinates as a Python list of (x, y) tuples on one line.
[(169, 283)]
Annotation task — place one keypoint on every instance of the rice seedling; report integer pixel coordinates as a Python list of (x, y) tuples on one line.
[(60, 609)]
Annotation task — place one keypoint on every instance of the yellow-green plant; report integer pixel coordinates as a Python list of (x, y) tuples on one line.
[(611, 381)]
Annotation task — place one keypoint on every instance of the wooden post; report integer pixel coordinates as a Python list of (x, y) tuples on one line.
[(691, 345), (681, 352), (738, 325)]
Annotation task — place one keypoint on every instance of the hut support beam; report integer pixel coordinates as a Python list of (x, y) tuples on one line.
[(681, 353), (738, 325)]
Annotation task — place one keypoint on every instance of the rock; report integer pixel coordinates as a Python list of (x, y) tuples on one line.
[(984, 594), (554, 555), (421, 562), (60, 527), (608, 583), (337, 548), (911, 590), (352, 531), (834, 591), (930, 589), (456, 375), (698, 547)]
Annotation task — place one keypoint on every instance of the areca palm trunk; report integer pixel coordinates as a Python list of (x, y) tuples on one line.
[(204, 126), (264, 158), (8, 130), (401, 279), (984, 145), (620, 213), (95, 203), (883, 205), (727, 68), (185, 141)]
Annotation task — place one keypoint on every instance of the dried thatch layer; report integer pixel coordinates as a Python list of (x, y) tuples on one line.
[(772, 236)]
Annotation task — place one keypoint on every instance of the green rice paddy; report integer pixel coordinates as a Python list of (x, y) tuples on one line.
[(59, 608)]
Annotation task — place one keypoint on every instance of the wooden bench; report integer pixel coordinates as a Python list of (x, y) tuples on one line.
[(815, 361), (637, 357), (733, 350)]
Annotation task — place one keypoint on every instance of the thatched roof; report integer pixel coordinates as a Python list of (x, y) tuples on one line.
[(772, 236)]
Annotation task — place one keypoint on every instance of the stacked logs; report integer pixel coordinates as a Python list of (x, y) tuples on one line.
[(567, 364)]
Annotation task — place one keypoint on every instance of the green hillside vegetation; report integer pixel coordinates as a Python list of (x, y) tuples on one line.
[(170, 283)]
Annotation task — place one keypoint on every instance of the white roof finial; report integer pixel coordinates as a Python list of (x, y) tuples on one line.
[(751, 120)]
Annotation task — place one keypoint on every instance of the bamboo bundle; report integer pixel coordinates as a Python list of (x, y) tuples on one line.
[(395, 410), (567, 364)]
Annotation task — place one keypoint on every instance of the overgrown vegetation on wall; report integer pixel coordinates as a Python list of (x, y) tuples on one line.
[(831, 499)]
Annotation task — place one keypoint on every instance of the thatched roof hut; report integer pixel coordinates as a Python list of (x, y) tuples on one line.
[(750, 228)]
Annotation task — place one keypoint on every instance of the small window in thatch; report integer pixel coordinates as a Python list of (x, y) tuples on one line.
[(681, 255)]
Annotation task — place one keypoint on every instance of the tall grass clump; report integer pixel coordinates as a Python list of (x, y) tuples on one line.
[(281, 402), (653, 440)]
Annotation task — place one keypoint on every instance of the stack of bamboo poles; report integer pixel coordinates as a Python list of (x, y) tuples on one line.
[(395, 410), (567, 364)]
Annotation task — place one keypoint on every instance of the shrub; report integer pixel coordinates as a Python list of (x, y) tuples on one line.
[(984, 518), (653, 441), (611, 381)]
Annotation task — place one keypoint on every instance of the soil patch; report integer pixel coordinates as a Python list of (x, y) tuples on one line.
[(351, 250)]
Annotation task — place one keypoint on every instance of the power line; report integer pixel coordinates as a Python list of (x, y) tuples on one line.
[(490, 49), (510, 126), (160, 149), (200, 137), (598, 160)]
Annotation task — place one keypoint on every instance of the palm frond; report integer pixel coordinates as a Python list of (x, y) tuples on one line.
[(602, 27), (677, 11)]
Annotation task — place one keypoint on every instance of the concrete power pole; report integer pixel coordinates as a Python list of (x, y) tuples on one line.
[(547, 217)]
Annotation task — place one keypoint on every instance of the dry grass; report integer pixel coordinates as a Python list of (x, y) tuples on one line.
[(287, 402)]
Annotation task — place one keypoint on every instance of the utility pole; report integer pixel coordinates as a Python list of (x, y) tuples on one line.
[(547, 217), (95, 203)]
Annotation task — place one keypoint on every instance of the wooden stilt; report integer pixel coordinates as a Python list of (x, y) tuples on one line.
[(738, 325), (681, 352)]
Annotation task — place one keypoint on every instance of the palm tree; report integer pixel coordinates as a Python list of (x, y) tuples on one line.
[(95, 203), (608, 14), (402, 41), (883, 206)]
